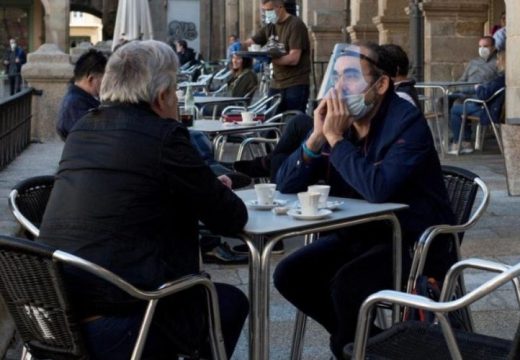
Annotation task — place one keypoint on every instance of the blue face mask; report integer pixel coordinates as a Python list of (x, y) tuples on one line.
[(271, 17), (356, 104)]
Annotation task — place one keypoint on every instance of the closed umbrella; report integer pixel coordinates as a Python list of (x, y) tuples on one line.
[(133, 21)]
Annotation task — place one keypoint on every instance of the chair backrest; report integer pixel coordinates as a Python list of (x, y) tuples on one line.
[(32, 289), (28, 200), (462, 191)]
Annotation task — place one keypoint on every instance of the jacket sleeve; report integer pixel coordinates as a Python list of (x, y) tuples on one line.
[(295, 174), (378, 182), (486, 90), (188, 176)]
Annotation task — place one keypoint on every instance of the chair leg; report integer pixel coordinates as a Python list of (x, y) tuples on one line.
[(496, 131), (26, 355), (479, 137)]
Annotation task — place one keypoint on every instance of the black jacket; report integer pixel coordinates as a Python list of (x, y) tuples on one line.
[(76, 103), (129, 194)]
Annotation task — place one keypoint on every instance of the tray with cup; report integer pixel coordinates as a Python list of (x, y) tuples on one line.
[(265, 198)]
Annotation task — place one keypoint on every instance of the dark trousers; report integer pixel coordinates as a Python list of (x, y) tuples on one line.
[(293, 97), (15, 83), (329, 279), (173, 330)]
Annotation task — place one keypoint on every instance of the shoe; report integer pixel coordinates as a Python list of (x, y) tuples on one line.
[(254, 168), (243, 249), (222, 254), (466, 148), (239, 180)]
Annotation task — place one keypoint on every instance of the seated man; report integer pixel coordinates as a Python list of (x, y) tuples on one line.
[(82, 94), (129, 195), (483, 92), (370, 144), (479, 70)]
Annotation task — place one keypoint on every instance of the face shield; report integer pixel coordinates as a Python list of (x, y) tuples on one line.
[(346, 72), (351, 77)]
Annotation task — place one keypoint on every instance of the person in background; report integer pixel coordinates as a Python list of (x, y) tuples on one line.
[(370, 144), (186, 54), (403, 86), (483, 92), (291, 71), (500, 35), (502, 24), (234, 46), (244, 79), (129, 195), (480, 69), (82, 94), (14, 58)]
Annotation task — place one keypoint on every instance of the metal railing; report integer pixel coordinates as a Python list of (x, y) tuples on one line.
[(15, 125)]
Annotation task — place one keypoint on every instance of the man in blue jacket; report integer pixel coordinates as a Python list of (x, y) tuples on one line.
[(366, 143), (14, 58), (82, 94)]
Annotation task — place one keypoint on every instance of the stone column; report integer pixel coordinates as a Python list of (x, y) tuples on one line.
[(158, 13), (451, 31), (362, 26), (511, 130), (57, 23), (48, 69), (248, 18), (325, 19), (393, 23)]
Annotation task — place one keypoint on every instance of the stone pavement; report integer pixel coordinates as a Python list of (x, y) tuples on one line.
[(496, 236)]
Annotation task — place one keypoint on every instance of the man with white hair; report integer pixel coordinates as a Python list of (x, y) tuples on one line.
[(129, 195)]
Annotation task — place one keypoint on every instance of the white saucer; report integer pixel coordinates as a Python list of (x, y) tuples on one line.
[(253, 204), (297, 214), (331, 205), (247, 123)]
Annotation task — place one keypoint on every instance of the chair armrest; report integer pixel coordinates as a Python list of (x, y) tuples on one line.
[(164, 290), (254, 140), (19, 216), (450, 281), (421, 302), (233, 109)]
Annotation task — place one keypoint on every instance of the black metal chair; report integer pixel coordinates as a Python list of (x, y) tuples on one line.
[(420, 340), (462, 186), (28, 200), (32, 287)]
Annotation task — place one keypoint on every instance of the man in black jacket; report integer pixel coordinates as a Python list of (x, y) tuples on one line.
[(129, 195)]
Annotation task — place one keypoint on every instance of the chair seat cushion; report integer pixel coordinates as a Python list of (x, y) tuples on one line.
[(413, 340)]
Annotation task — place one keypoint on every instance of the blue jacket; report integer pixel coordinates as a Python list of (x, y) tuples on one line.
[(396, 163), (75, 104), (485, 91)]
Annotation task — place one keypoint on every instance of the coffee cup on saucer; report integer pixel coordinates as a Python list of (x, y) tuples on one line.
[(265, 194), (323, 190), (309, 202), (255, 47), (248, 116)]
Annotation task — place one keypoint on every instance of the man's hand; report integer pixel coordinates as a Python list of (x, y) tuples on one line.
[(226, 181), (337, 119)]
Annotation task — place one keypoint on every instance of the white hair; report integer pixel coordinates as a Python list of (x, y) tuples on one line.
[(138, 71)]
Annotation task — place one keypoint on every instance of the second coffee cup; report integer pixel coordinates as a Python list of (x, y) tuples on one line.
[(265, 193), (309, 202)]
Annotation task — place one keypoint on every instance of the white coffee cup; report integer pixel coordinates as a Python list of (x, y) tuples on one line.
[(265, 193), (309, 202), (248, 116), (323, 190), (255, 47)]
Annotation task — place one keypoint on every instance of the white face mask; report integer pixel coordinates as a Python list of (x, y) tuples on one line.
[(484, 52), (356, 105), (13, 46), (271, 17)]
